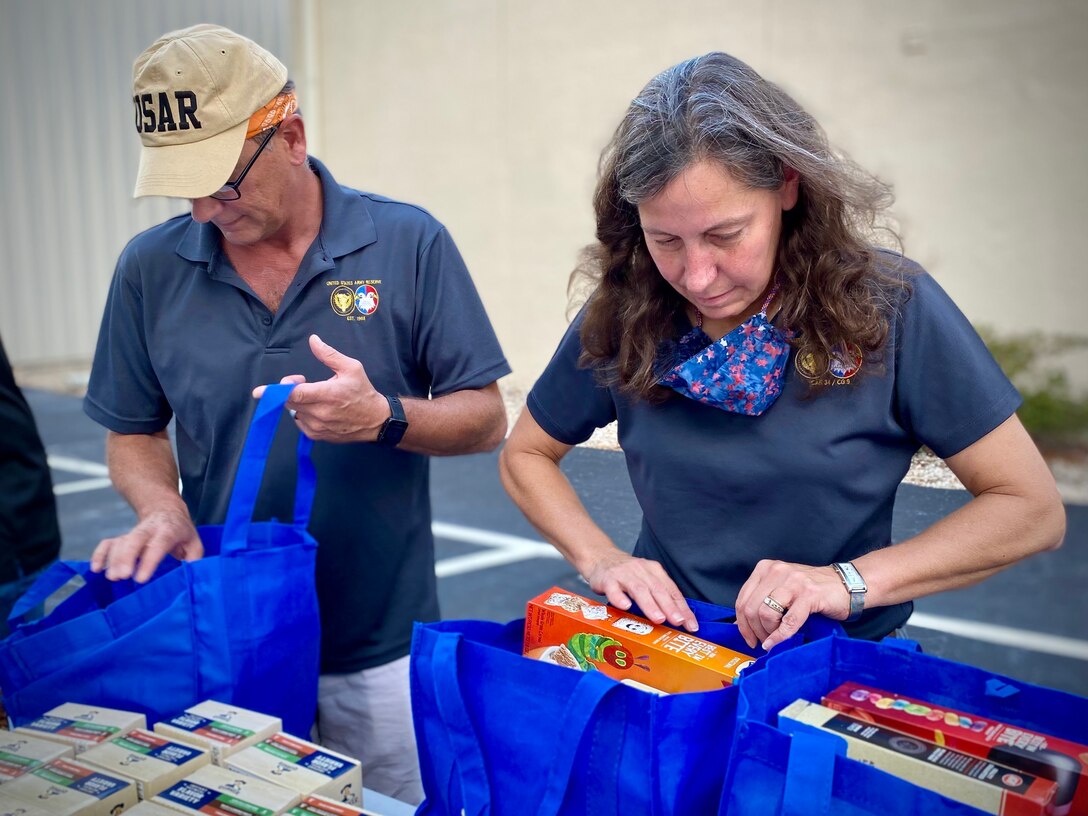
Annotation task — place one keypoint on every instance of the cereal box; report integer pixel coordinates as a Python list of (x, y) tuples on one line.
[(68, 787), (1063, 761), (573, 631), (978, 782), (219, 728), (152, 762), (82, 726), (20, 753), (222, 792), (302, 767)]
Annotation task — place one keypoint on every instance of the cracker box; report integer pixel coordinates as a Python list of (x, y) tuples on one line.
[(219, 728), (302, 767), (222, 792), (20, 753), (978, 782), (1063, 761), (573, 631), (150, 761), (69, 787), (82, 726), (147, 809), (16, 807)]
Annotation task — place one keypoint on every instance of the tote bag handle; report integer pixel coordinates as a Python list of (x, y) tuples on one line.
[(811, 771), (577, 719), (247, 481)]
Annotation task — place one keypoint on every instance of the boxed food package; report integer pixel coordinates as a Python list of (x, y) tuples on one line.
[(68, 787), (150, 761), (219, 728), (1064, 762), (147, 809), (573, 631), (320, 806), (20, 753), (302, 767), (978, 782), (219, 791), (82, 726), (16, 807)]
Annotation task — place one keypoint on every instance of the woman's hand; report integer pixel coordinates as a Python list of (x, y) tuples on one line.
[(622, 578), (799, 589)]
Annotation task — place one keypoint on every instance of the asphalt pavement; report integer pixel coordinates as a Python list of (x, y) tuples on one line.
[(1029, 622)]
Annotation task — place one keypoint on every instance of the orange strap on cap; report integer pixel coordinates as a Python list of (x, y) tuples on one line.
[(273, 113)]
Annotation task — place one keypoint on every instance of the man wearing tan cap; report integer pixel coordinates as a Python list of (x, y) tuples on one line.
[(280, 273)]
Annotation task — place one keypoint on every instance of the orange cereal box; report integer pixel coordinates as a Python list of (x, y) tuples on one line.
[(567, 629)]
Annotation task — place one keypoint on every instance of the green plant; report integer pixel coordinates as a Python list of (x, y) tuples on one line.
[(1051, 412)]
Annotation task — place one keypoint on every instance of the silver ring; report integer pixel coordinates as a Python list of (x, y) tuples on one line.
[(293, 413), (775, 605)]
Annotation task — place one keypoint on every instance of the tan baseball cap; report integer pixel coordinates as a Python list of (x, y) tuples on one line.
[(194, 91)]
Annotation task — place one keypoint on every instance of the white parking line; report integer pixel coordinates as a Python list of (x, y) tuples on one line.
[(81, 486), (81, 466), (1002, 635)]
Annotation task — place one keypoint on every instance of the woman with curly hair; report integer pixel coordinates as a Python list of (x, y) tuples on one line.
[(771, 372)]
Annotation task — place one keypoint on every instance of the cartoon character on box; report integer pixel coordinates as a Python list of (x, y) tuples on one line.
[(584, 650)]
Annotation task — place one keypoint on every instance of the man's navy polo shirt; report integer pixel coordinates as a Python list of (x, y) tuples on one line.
[(812, 480), (183, 336)]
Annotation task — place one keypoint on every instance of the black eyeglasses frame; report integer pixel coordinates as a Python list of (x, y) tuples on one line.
[(231, 190)]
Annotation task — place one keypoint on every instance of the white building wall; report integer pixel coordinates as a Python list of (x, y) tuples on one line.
[(492, 114)]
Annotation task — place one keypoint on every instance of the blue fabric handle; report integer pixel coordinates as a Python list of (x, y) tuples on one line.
[(811, 770), (247, 480), (475, 791), (578, 719)]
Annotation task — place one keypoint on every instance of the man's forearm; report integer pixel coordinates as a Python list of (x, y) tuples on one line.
[(143, 470), (471, 421)]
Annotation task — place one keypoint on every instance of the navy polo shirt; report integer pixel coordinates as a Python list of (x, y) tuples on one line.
[(184, 336), (812, 480)]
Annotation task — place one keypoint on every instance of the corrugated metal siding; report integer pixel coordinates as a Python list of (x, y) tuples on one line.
[(68, 154)]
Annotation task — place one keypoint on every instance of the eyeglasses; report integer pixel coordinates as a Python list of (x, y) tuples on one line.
[(230, 191)]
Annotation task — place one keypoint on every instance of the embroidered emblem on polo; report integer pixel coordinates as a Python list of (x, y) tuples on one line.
[(846, 362), (343, 300), (354, 299), (366, 299), (836, 371)]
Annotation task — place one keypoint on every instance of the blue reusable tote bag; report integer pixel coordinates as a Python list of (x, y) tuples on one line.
[(239, 626), (772, 772), (499, 733)]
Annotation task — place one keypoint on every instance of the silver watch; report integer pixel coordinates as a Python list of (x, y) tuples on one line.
[(854, 584)]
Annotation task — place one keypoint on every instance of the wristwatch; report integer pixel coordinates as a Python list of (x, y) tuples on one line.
[(392, 430), (854, 584)]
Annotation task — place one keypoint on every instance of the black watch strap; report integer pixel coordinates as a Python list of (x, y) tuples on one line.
[(392, 430)]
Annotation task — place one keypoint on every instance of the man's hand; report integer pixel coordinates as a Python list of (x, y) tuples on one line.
[(169, 532), (344, 408)]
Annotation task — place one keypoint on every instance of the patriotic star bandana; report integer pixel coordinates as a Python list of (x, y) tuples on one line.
[(741, 373)]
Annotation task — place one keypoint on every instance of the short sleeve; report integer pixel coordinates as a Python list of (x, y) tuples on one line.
[(567, 401), (456, 343), (124, 393), (949, 389)]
